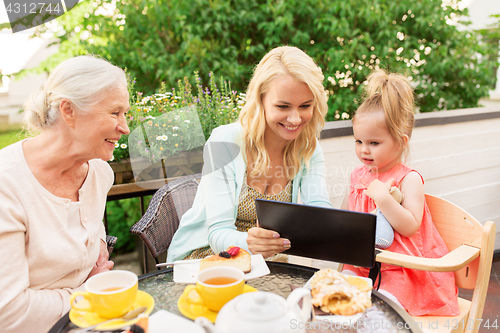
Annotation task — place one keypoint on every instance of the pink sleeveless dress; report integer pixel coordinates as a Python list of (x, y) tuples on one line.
[(421, 293)]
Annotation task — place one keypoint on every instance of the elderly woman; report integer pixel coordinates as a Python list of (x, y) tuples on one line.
[(53, 192), (277, 156)]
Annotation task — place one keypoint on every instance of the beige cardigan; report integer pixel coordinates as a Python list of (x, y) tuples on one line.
[(41, 262)]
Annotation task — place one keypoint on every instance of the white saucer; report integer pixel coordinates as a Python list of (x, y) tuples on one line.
[(163, 321), (186, 273)]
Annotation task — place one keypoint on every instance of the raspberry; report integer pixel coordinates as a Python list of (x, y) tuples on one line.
[(233, 251), (224, 254)]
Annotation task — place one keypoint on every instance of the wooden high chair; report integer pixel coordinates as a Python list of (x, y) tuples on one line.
[(471, 253)]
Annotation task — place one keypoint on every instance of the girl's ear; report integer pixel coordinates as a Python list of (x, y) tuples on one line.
[(405, 140), (67, 112)]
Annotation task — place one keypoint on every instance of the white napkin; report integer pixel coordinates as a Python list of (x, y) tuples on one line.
[(163, 321)]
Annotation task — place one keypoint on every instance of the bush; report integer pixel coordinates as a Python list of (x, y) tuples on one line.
[(122, 215), (177, 120), (164, 40)]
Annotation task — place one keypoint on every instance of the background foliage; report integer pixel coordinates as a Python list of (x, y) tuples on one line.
[(491, 36), (122, 215), (178, 119), (166, 40)]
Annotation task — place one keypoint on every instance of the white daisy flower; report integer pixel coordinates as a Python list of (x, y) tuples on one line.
[(187, 121), (158, 138), (175, 128), (112, 158), (116, 145), (123, 146), (164, 138)]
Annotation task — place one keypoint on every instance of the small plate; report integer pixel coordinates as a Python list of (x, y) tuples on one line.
[(193, 311), (186, 273), (87, 318), (163, 321), (349, 320)]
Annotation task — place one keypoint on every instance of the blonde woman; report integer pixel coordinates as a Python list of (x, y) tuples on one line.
[(271, 152), (53, 192)]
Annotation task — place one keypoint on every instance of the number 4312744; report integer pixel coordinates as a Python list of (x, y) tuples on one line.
[(33, 8), (470, 323)]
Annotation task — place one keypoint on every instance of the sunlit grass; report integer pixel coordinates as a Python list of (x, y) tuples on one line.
[(10, 134)]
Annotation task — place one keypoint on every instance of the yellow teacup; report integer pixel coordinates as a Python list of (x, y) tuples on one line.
[(215, 287), (109, 294)]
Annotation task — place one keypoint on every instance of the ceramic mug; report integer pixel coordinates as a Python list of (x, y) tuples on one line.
[(109, 294), (215, 287)]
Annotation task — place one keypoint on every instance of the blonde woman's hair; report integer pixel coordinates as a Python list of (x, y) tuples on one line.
[(284, 61), (83, 80), (392, 95)]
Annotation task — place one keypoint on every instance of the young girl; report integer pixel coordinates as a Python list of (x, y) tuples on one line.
[(382, 128)]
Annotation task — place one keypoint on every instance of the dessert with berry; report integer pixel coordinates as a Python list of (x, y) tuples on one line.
[(233, 257)]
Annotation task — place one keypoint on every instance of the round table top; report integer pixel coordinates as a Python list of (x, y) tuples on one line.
[(383, 317)]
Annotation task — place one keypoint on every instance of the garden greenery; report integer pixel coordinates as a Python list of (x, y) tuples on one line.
[(177, 120), (166, 40)]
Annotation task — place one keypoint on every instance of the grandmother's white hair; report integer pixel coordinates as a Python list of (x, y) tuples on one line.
[(83, 80)]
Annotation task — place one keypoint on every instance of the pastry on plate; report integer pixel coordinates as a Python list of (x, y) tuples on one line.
[(233, 257), (339, 294)]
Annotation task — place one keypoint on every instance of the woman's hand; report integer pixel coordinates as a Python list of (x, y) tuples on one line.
[(266, 242), (102, 264)]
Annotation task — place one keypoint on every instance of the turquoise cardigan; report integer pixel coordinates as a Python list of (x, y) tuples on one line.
[(211, 220)]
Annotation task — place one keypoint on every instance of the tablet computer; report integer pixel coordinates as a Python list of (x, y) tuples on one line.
[(321, 233)]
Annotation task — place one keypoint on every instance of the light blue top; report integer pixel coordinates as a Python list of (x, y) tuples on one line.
[(212, 218)]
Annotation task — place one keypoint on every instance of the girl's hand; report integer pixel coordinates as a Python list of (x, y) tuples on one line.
[(378, 190), (406, 217), (266, 242)]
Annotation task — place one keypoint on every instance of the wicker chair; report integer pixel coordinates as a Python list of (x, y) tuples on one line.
[(110, 241), (158, 225)]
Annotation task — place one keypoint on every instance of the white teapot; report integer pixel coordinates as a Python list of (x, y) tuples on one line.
[(262, 312)]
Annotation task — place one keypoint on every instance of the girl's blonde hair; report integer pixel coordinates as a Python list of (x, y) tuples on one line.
[(84, 81), (392, 95), (282, 61)]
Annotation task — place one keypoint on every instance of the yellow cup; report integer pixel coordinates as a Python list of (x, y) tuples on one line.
[(109, 294), (215, 287)]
